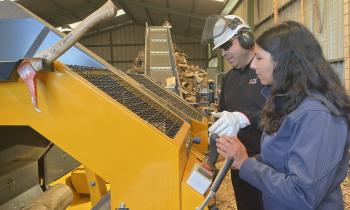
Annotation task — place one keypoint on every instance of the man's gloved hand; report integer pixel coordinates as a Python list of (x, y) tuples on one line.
[(217, 115), (229, 123)]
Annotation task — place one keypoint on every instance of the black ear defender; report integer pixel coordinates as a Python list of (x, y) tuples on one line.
[(246, 39)]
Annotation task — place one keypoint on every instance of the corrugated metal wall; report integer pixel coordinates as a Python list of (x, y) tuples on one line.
[(121, 46), (338, 66), (242, 10), (331, 36)]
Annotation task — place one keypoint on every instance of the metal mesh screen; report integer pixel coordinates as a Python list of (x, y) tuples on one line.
[(168, 97), (131, 98)]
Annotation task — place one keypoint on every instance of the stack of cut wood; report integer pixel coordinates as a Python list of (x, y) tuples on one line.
[(192, 78), (139, 64)]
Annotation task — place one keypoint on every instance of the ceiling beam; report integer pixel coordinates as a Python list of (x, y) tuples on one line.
[(91, 4), (91, 1), (229, 6), (149, 19), (121, 5), (110, 28), (64, 12), (63, 9), (163, 9)]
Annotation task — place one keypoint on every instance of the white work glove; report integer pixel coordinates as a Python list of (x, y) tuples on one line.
[(229, 123), (217, 115)]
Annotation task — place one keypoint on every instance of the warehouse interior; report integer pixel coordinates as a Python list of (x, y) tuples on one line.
[(120, 120)]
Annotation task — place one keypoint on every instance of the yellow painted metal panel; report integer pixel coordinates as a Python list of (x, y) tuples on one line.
[(190, 199), (200, 129), (143, 165)]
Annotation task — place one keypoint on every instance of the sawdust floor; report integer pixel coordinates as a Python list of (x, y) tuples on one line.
[(226, 200)]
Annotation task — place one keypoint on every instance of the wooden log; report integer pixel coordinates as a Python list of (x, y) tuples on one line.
[(58, 197), (183, 65)]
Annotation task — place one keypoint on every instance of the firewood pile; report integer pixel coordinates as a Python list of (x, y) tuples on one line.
[(192, 78), (139, 64)]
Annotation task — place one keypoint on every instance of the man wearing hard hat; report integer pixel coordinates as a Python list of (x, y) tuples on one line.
[(240, 98)]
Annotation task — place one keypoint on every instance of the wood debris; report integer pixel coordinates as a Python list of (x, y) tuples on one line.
[(192, 78), (139, 64)]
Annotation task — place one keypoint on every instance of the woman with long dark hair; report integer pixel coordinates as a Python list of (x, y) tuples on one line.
[(304, 149)]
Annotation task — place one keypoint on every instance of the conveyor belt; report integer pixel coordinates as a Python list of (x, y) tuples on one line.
[(131, 98), (160, 61)]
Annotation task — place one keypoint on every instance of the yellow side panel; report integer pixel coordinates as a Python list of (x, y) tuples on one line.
[(141, 163), (200, 129), (190, 198)]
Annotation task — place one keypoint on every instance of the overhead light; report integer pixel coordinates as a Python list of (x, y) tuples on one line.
[(71, 26), (167, 23), (65, 28), (120, 12), (74, 25), (220, 0)]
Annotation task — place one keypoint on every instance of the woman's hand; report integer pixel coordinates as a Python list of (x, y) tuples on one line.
[(228, 146)]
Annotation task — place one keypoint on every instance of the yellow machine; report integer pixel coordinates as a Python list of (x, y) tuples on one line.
[(136, 145), (121, 132)]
